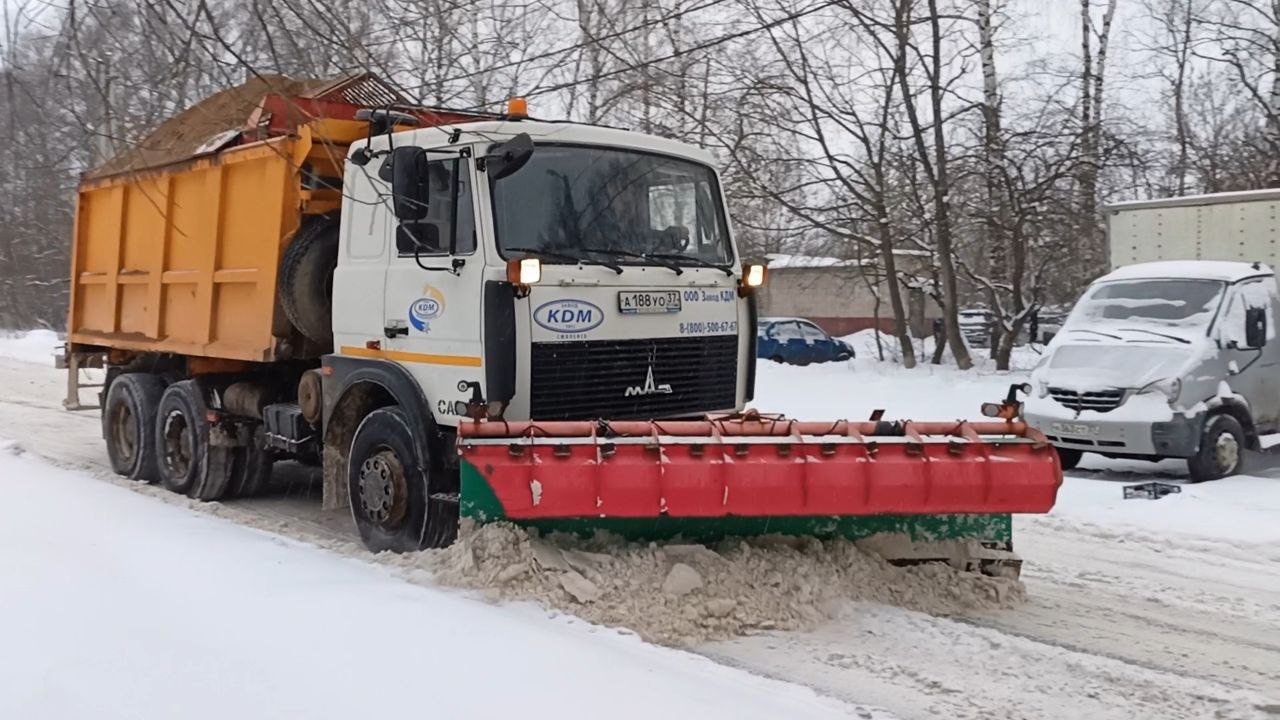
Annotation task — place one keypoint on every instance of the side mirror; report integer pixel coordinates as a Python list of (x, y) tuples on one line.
[(506, 159), (1255, 327), (407, 171)]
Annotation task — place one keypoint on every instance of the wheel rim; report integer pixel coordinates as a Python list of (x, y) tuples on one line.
[(177, 444), (1226, 452), (384, 491), (124, 432)]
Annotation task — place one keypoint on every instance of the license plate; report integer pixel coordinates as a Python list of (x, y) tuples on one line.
[(1063, 428), (647, 302)]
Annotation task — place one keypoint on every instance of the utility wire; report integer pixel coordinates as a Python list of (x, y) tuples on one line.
[(671, 56), (577, 46)]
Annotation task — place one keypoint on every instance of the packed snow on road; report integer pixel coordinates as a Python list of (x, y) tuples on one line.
[(124, 601)]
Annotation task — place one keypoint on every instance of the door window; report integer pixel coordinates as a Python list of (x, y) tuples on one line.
[(786, 331), (813, 333), (450, 220)]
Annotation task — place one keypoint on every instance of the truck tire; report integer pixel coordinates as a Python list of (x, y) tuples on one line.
[(128, 414), (250, 467), (1221, 453), (306, 278), (1068, 458), (390, 498), (187, 463)]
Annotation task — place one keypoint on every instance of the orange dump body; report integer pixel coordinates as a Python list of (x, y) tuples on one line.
[(183, 257)]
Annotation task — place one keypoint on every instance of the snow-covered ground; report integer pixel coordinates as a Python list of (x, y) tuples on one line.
[(116, 606), (1137, 608), (33, 346)]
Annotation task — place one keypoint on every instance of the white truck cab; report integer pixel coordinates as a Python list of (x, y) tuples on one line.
[(630, 305), (1170, 358)]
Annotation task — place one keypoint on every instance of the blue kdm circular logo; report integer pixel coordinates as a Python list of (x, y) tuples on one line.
[(568, 316), (426, 308)]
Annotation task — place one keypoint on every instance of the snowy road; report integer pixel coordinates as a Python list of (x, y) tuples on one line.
[(1168, 609)]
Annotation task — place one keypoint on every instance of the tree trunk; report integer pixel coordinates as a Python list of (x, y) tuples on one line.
[(934, 162)]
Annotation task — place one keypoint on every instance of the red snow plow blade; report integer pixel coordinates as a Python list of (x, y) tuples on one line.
[(750, 474)]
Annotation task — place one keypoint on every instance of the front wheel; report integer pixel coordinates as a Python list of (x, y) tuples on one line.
[(1069, 458), (1221, 450), (388, 484)]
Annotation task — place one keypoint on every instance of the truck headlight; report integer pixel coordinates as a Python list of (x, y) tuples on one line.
[(753, 275), (525, 271)]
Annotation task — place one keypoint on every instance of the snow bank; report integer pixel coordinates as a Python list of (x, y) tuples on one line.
[(1023, 357), (683, 594), (852, 389), (122, 607), (33, 346)]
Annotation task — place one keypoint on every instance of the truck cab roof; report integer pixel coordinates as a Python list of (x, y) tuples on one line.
[(1188, 270), (543, 132)]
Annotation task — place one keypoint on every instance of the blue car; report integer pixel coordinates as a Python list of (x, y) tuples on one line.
[(798, 342)]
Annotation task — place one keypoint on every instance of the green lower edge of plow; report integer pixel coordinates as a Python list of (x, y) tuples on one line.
[(478, 502)]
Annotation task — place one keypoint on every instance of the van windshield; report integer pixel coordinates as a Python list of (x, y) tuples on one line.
[(597, 203), (1178, 305)]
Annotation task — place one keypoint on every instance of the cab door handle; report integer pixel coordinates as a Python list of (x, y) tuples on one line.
[(395, 329)]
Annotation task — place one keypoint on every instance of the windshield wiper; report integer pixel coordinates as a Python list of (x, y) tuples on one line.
[(564, 256), (1184, 341), (693, 259), (641, 256), (1095, 332)]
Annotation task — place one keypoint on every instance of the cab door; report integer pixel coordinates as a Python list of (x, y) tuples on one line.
[(821, 347), (434, 287), (1257, 376)]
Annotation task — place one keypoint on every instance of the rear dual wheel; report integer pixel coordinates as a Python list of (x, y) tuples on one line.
[(190, 461), (189, 464), (392, 501), (127, 418)]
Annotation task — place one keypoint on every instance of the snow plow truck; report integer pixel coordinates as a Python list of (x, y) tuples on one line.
[(465, 315)]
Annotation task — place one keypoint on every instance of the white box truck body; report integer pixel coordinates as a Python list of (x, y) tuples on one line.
[(1173, 353)]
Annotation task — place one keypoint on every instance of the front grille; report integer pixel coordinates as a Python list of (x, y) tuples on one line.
[(1097, 400), (590, 380)]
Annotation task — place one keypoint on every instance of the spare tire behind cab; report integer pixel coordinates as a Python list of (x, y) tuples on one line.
[(305, 286)]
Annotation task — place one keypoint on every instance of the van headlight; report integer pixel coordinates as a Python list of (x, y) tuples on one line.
[(1171, 388)]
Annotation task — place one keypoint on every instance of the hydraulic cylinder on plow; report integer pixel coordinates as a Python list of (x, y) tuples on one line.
[(704, 480)]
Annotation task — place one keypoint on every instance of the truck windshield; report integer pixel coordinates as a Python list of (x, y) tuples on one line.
[(1155, 304), (575, 201)]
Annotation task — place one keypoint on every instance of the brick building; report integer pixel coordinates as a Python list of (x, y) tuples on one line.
[(837, 294)]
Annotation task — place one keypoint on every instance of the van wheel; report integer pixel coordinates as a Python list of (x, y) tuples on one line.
[(388, 484), (778, 359), (306, 278), (1068, 458), (127, 419), (1221, 450), (187, 463)]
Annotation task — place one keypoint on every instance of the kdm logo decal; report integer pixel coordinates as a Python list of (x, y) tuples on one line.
[(426, 308), (568, 317)]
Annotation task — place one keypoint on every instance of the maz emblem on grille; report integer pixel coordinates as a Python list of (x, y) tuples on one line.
[(649, 387)]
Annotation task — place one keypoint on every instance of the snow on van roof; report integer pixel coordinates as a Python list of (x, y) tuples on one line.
[(1188, 270)]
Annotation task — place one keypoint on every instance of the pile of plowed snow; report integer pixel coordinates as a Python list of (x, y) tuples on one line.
[(684, 594)]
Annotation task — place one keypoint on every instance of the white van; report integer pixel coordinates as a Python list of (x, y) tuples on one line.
[(1172, 358)]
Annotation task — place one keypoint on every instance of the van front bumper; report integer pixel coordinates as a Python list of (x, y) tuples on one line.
[(1178, 437)]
